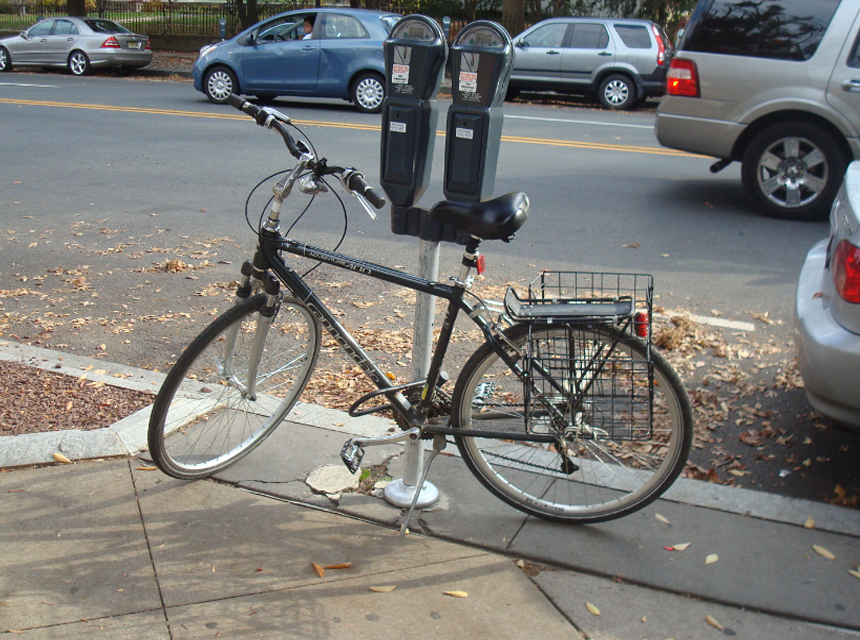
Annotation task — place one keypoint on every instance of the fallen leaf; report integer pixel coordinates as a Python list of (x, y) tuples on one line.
[(856, 574), (712, 558), (661, 519), (147, 468), (752, 439), (823, 552), (457, 594), (713, 622), (643, 619), (810, 523), (384, 589), (320, 571), (59, 457), (342, 565), (682, 546), (839, 491), (592, 609), (738, 473)]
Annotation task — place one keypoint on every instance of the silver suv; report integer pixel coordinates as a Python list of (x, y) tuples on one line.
[(620, 61), (775, 85)]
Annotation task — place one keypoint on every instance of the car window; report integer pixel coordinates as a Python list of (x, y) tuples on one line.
[(589, 36), (549, 35), (340, 26), (390, 21), (65, 28), (41, 29), (634, 36), (786, 30), (105, 26), (287, 28)]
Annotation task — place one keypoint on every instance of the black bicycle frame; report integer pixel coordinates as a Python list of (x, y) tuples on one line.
[(272, 243)]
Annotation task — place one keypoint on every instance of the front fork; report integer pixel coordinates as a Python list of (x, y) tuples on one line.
[(265, 317)]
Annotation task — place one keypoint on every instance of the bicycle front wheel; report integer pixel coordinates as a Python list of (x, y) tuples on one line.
[(592, 438), (206, 415)]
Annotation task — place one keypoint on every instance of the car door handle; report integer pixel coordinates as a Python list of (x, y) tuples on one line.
[(308, 48), (553, 53), (604, 53), (852, 86)]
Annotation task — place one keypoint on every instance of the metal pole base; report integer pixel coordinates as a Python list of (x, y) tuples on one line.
[(401, 495)]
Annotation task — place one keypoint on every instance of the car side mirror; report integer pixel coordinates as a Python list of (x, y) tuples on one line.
[(24, 35), (521, 44)]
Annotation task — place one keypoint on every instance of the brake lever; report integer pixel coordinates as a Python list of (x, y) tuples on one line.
[(365, 204), (277, 115)]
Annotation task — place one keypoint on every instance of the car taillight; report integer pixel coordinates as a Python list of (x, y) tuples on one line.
[(148, 46), (661, 48), (683, 78), (110, 43), (846, 271)]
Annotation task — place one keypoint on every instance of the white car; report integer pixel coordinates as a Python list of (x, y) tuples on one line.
[(827, 321)]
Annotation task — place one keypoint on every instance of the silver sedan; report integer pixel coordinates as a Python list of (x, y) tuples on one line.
[(80, 44)]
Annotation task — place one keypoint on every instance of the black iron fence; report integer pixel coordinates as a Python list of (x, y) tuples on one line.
[(171, 18)]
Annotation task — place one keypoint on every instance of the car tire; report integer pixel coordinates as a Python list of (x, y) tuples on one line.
[(5, 60), (79, 63), (368, 92), (219, 83), (617, 92), (511, 94), (793, 170)]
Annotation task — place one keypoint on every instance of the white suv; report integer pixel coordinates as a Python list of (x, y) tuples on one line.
[(776, 86)]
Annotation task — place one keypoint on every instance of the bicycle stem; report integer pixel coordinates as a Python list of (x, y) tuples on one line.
[(283, 188)]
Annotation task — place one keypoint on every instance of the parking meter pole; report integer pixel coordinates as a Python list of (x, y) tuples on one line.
[(401, 492), (415, 55)]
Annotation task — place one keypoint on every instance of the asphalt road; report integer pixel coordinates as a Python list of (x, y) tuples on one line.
[(106, 180)]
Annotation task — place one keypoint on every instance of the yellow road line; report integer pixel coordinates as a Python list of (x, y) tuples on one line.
[(340, 125)]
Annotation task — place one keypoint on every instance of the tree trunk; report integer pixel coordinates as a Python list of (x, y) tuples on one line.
[(514, 15), (77, 7)]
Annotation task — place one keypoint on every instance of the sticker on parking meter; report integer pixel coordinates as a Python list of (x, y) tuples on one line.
[(468, 80), (400, 73), (465, 134), (397, 127)]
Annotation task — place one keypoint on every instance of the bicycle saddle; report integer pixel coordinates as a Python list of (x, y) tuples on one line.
[(496, 219)]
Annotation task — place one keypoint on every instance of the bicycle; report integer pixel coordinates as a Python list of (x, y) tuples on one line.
[(566, 411)]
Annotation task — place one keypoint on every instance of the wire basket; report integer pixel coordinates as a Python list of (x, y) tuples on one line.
[(623, 299), (586, 383)]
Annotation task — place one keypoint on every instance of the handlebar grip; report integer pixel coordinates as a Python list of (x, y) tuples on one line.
[(358, 183), (259, 115)]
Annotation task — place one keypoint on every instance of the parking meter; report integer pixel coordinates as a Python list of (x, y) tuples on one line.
[(415, 55), (481, 59)]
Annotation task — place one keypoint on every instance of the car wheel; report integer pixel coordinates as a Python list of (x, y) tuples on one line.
[(368, 91), (793, 170), (5, 60), (617, 92), (79, 63), (219, 83)]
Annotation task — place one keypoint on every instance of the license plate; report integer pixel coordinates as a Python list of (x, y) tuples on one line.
[(134, 45)]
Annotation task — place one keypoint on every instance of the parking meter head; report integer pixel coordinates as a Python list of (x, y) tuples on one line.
[(481, 58), (415, 55)]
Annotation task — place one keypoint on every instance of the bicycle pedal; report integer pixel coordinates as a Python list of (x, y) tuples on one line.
[(352, 454)]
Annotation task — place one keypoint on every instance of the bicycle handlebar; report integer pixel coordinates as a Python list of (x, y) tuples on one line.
[(352, 179)]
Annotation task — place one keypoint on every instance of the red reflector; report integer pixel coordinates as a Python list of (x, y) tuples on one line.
[(846, 271), (682, 79), (148, 46), (641, 322), (110, 43), (479, 264)]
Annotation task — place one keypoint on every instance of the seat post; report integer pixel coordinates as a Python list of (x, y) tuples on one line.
[(470, 260)]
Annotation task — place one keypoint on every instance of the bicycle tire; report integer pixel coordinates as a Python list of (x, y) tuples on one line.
[(200, 421), (601, 476)]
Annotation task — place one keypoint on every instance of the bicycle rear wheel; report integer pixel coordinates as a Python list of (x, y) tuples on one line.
[(600, 440), (204, 417)]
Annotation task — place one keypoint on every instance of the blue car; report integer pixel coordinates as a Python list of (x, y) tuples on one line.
[(322, 53)]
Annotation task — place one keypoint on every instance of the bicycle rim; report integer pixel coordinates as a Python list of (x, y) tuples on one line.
[(204, 417), (624, 447)]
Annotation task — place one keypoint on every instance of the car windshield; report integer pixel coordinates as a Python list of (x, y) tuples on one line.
[(105, 26), (389, 21)]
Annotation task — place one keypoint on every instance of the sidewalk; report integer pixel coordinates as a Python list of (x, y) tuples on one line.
[(114, 549)]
